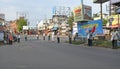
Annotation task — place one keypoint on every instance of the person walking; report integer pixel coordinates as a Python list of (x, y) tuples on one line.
[(52, 35), (70, 37), (18, 37), (25, 36), (48, 36), (10, 39), (58, 36), (43, 36), (114, 38)]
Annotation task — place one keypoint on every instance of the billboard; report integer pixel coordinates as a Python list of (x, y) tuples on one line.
[(82, 13), (113, 21), (87, 12), (78, 14), (83, 28), (2, 16)]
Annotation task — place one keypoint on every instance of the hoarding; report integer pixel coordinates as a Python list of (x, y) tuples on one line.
[(113, 21), (83, 28), (87, 12), (25, 27), (2, 16), (82, 13), (1, 36), (78, 14)]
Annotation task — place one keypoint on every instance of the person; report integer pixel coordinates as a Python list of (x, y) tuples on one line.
[(114, 39), (52, 35), (89, 37), (58, 37), (76, 36), (70, 37), (43, 36), (10, 39), (48, 35), (18, 37), (25, 36)]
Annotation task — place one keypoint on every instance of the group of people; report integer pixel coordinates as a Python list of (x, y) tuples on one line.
[(10, 38), (51, 36), (115, 36)]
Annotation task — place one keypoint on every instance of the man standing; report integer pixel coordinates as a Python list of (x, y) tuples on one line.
[(89, 37), (114, 39)]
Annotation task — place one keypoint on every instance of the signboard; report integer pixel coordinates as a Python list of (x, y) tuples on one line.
[(25, 27), (78, 14), (1, 36), (82, 13), (87, 12), (83, 28), (113, 21), (2, 16)]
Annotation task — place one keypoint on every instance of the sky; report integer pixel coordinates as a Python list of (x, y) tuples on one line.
[(37, 10)]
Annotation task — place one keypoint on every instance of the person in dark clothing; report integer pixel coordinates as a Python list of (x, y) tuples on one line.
[(58, 37)]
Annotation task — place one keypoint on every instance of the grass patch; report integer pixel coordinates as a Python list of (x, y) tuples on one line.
[(97, 43), (102, 43)]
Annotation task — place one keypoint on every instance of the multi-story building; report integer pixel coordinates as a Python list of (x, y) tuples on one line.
[(60, 22)]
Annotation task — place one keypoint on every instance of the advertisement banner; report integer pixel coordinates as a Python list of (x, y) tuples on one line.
[(87, 12), (113, 21), (1, 36), (94, 26), (82, 13), (78, 14)]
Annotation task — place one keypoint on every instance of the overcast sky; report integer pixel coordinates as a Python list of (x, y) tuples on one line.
[(37, 10)]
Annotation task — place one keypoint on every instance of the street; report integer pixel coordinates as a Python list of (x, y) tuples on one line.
[(44, 54)]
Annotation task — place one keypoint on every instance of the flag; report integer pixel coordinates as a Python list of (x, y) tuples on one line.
[(93, 29)]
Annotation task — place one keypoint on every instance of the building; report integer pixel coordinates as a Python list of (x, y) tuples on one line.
[(60, 22), (13, 26)]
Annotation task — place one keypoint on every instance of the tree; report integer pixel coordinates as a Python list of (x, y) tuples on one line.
[(104, 22), (70, 21), (21, 22)]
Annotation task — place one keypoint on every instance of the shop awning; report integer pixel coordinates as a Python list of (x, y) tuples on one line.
[(54, 28), (99, 1)]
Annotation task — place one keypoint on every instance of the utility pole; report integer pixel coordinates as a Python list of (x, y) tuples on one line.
[(101, 10)]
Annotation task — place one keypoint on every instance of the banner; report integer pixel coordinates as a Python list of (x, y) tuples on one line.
[(94, 26), (78, 14), (113, 21), (82, 13), (87, 12)]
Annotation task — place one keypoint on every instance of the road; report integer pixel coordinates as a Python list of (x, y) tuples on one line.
[(44, 54)]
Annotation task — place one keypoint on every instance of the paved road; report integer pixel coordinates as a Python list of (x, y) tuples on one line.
[(39, 54)]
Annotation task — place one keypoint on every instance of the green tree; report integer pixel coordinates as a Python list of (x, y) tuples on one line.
[(104, 22), (70, 21), (21, 22)]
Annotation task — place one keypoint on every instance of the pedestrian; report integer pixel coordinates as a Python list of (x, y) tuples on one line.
[(58, 36), (18, 37), (114, 38), (75, 36), (43, 36), (25, 36), (52, 35), (10, 38), (70, 37), (48, 36), (89, 37)]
